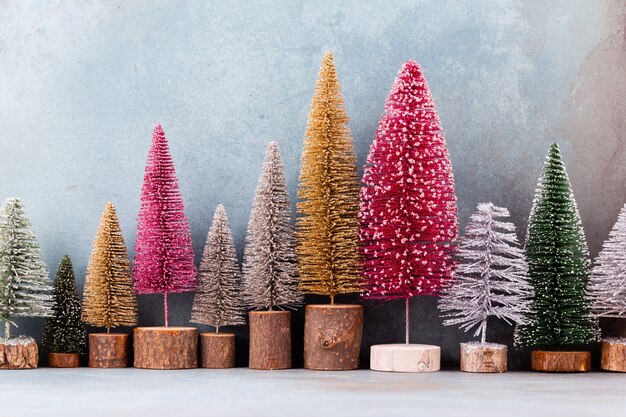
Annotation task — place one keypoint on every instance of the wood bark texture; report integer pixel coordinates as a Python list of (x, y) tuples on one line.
[(63, 360), (560, 361), (488, 357), (217, 350), (108, 350), (402, 357), (166, 347), (613, 355), (270, 339), (24, 355), (332, 336)]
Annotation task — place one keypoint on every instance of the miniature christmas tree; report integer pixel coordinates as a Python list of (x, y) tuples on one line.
[(24, 287), (108, 298), (408, 203), (218, 300), (490, 280), (327, 229), (269, 268), (164, 260), (64, 331), (558, 265)]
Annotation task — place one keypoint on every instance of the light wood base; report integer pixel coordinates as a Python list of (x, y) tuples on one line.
[(613, 355), (487, 357), (108, 350), (402, 357), (332, 336), (166, 347), (18, 353), (63, 360), (217, 350), (560, 361), (270, 339)]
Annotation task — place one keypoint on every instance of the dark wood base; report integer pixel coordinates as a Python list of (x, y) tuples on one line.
[(217, 350), (108, 350), (488, 357), (332, 336), (166, 347), (270, 339), (63, 360), (19, 353), (613, 355), (560, 361)]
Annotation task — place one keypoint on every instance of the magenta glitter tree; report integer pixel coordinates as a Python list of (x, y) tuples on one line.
[(408, 212), (164, 260)]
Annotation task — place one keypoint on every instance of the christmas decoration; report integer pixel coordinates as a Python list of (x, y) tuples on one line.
[(164, 260), (165, 347), (408, 207)]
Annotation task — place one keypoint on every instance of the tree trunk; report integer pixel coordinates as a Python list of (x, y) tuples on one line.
[(483, 357), (405, 358), (614, 355), (166, 347), (108, 350), (560, 361), (217, 350), (332, 336), (63, 360), (270, 339), (18, 353)]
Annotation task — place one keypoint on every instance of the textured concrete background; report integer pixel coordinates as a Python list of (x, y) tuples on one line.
[(83, 82)]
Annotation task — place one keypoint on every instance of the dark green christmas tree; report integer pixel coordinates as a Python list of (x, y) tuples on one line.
[(558, 265), (64, 331)]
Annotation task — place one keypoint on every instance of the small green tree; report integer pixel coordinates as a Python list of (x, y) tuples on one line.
[(64, 331)]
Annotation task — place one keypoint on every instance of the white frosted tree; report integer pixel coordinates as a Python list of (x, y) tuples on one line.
[(218, 300), (25, 290), (270, 266), (490, 279), (607, 285)]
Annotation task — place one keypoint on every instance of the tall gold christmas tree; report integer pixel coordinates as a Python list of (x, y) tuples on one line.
[(328, 194), (109, 299)]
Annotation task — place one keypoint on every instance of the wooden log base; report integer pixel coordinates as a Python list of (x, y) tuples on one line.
[(483, 357), (108, 350), (63, 360), (560, 361), (18, 353), (217, 350), (613, 355), (166, 347), (332, 336), (402, 357), (270, 340)]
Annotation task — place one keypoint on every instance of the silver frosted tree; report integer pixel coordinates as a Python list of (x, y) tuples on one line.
[(270, 265), (490, 279), (218, 300), (25, 290), (607, 284)]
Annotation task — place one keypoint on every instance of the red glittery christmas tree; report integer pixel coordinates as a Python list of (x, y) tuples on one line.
[(164, 260), (408, 205)]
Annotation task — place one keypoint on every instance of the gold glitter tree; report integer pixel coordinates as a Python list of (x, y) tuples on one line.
[(328, 193), (108, 298)]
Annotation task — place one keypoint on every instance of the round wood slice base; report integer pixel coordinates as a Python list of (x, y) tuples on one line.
[(483, 357), (560, 361), (332, 336), (63, 360), (18, 353), (217, 350), (108, 350), (613, 355), (402, 357), (270, 340), (166, 347)]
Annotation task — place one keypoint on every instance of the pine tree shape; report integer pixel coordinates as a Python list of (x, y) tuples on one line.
[(408, 207), (328, 193), (24, 286), (164, 260), (558, 265), (108, 297), (270, 265), (607, 285), (218, 300), (491, 277), (64, 331)]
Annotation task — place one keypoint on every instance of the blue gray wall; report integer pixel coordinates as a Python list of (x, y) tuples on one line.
[(83, 82)]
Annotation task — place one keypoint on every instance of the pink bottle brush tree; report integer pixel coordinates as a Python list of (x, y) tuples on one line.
[(408, 208), (164, 260)]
